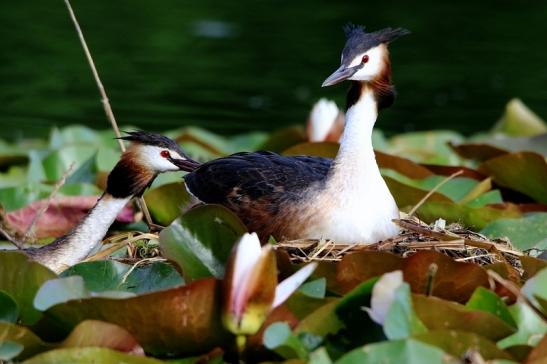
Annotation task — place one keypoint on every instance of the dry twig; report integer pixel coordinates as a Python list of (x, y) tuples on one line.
[(29, 234), (105, 101)]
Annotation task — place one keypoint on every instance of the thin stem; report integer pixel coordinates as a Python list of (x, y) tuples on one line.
[(105, 101), (428, 195)]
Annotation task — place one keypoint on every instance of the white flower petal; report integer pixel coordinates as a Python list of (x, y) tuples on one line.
[(291, 284)]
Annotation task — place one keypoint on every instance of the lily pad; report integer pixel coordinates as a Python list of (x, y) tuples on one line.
[(201, 240), (458, 343), (16, 269), (9, 311), (176, 321), (166, 202), (88, 356), (528, 232), (486, 300), (408, 351), (527, 173), (519, 120), (108, 275), (438, 314)]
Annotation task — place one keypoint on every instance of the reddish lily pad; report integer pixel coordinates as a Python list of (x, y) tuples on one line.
[(87, 333), (450, 280), (355, 268), (62, 214), (89, 356), (182, 320), (322, 149)]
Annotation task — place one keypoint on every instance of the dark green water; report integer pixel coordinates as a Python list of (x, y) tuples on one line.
[(233, 66)]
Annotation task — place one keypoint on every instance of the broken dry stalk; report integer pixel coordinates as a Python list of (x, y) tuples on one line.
[(433, 190), (105, 102)]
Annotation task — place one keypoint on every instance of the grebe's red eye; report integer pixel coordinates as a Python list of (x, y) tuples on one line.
[(165, 154), (364, 59)]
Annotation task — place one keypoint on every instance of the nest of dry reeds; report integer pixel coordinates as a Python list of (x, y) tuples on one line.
[(453, 240)]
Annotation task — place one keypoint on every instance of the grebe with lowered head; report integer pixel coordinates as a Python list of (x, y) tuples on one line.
[(345, 199), (148, 155)]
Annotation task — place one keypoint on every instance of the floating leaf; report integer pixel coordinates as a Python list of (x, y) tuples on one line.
[(528, 173), (475, 218), (279, 338), (518, 120), (321, 321), (487, 301), (322, 149), (21, 278), (87, 333), (402, 165), (9, 350), (283, 139), (478, 151), (201, 240), (9, 311), (167, 202), (89, 356), (62, 214), (438, 314), (176, 321), (430, 271), (528, 232), (355, 268), (408, 351), (426, 147), (401, 320), (531, 265), (106, 275), (458, 343), (314, 289), (539, 353), (531, 327)]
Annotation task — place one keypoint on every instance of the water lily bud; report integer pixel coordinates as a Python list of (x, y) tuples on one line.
[(325, 122), (249, 286)]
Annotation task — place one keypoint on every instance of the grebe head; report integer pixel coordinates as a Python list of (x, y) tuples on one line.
[(154, 152), (365, 56)]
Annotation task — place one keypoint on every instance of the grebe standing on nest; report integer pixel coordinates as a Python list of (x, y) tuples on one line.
[(147, 156), (345, 199)]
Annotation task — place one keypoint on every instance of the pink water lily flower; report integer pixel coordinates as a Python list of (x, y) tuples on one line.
[(251, 289)]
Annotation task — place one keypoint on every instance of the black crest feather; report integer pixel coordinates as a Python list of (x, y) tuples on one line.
[(147, 138), (358, 41)]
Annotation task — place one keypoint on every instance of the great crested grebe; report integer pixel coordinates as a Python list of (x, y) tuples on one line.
[(345, 199), (148, 155)]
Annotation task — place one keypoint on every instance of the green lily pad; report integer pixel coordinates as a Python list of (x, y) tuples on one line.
[(531, 327), (408, 351), (166, 202), (9, 311), (401, 320), (486, 300), (426, 147), (321, 321), (9, 349), (108, 275), (21, 278), (201, 240), (528, 232), (279, 338)]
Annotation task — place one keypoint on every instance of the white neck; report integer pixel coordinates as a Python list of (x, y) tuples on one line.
[(361, 206), (85, 238), (355, 162)]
